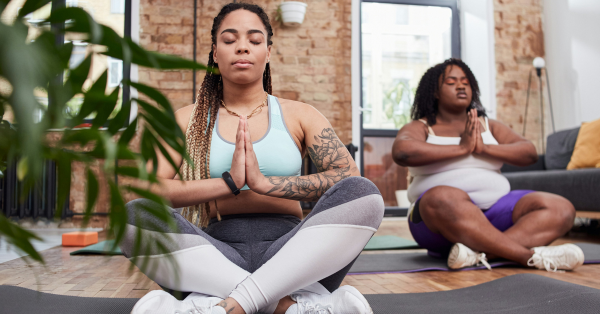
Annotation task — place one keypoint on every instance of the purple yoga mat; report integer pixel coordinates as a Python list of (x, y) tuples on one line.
[(416, 262)]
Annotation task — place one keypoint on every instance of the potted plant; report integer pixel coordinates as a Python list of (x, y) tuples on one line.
[(291, 13)]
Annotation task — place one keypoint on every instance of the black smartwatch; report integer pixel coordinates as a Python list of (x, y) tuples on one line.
[(229, 180)]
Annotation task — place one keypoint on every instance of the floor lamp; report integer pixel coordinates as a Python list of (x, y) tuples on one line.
[(539, 64)]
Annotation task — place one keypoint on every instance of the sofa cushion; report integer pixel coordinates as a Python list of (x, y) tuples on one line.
[(578, 186), (587, 147), (559, 148), (538, 165)]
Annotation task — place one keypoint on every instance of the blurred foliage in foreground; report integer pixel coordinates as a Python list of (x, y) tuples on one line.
[(39, 64)]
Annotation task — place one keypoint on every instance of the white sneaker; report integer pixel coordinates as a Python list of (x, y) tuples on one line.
[(159, 301), (344, 300), (462, 256), (552, 258)]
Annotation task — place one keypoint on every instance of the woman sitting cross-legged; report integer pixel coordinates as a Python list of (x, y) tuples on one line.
[(253, 253), (462, 207)]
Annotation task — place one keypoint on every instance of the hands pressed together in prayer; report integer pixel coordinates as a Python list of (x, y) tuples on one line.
[(471, 139), (244, 166)]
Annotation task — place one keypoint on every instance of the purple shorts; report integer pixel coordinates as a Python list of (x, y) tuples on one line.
[(500, 215)]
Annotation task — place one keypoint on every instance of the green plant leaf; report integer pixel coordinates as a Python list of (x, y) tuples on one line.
[(136, 172), (64, 182), (104, 107), (118, 47), (155, 95), (92, 195), (92, 98), (19, 237), (3, 4), (156, 143), (118, 212), (32, 6), (147, 149), (80, 22), (78, 76), (148, 195), (120, 119), (129, 133), (80, 136), (22, 167)]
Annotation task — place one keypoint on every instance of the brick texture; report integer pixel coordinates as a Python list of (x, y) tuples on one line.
[(519, 39)]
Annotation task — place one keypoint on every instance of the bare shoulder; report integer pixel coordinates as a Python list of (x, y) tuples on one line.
[(182, 116), (503, 133), (413, 130), (304, 117), (298, 108), (498, 127)]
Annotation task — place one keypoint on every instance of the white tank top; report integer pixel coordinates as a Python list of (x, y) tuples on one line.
[(479, 176)]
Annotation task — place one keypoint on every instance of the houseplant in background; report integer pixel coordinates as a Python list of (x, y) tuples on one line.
[(27, 65), (291, 13)]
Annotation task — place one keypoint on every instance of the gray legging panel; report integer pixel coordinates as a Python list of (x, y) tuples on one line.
[(250, 240)]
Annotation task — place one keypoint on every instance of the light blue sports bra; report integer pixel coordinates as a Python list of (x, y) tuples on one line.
[(276, 151)]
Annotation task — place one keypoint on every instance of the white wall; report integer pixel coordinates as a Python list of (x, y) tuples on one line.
[(572, 43), (477, 47)]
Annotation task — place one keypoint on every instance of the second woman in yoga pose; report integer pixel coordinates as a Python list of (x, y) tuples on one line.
[(463, 207)]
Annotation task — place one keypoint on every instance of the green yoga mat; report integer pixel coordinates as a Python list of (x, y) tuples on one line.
[(390, 242), (101, 248)]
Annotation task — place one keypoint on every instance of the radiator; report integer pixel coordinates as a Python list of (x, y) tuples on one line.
[(41, 199)]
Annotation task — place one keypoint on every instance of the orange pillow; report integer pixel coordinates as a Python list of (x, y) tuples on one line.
[(587, 148)]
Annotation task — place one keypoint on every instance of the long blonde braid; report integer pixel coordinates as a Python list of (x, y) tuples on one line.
[(204, 114)]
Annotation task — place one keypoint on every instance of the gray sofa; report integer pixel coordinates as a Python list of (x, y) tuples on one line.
[(549, 174)]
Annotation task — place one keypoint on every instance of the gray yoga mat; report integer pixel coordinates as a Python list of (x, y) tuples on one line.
[(415, 262), (524, 293), (17, 300)]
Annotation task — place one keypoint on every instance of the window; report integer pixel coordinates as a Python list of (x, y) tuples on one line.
[(78, 55), (115, 72), (400, 40), (103, 11), (117, 6)]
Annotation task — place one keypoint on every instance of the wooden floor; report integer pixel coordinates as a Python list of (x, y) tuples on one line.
[(114, 276)]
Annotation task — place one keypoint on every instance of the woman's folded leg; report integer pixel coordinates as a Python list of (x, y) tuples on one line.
[(180, 256), (320, 249)]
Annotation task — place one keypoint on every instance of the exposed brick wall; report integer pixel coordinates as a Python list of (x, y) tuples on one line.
[(519, 39)]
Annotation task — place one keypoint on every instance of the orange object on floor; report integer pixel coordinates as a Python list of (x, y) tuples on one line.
[(79, 238)]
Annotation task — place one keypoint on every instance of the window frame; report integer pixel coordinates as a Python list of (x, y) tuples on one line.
[(126, 66), (455, 53)]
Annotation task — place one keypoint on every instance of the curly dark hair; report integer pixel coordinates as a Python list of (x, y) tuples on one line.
[(204, 114), (426, 104)]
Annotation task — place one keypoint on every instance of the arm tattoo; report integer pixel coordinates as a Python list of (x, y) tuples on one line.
[(333, 163)]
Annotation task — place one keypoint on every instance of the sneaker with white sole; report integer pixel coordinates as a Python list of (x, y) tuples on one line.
[(462, 256), (560, 257), (159, 301), (344, 300)]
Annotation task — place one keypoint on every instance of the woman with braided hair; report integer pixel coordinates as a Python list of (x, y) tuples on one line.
[(463, 207), (239, 242)]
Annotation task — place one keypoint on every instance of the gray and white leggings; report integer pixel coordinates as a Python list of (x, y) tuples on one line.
[(257, 259)]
